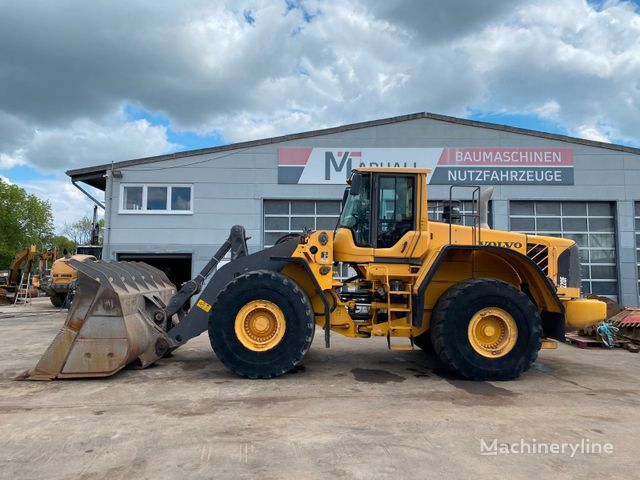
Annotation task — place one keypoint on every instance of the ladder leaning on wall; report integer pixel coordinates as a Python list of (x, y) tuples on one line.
[(23, 293)]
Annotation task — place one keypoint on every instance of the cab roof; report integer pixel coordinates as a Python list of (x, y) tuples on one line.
[(395, 170)]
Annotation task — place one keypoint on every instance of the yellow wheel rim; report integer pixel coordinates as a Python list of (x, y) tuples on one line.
[(492, 332), (260, 325)]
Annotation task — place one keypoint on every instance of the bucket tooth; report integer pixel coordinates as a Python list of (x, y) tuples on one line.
[(110, 323)]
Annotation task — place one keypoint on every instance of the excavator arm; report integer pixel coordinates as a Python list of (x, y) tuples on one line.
[(21, 261)]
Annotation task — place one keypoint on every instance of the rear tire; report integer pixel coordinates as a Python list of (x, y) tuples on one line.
[(295, 307), (453, 341), (57, 300)]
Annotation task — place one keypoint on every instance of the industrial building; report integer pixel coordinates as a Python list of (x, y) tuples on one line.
[(175, 210)]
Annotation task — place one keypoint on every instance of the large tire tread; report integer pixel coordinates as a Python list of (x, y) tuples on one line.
[(224, 310), (459, 293)]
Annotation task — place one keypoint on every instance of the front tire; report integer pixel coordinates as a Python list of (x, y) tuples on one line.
[(261, 325), (486, 329), (423, 341), (57, 300)]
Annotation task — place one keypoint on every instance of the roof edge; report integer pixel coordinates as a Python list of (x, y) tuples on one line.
[(348, 127)]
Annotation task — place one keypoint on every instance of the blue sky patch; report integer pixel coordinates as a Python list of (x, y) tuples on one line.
[(248, 17), (531, 122), (186, 140), (25, 174)]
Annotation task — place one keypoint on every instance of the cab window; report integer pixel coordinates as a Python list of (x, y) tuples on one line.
[(395, 209), (356, 213)]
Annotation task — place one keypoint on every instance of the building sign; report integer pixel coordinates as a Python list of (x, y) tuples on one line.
[(450, 165)]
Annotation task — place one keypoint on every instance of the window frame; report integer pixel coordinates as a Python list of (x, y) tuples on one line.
[(289, 215), (375, 206), (145, 210)]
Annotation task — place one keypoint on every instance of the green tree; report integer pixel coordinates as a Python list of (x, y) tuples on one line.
[(24, 219), (63, 243), (80, 232)]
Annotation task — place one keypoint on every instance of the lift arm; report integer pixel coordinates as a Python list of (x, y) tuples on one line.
[(236, 242)]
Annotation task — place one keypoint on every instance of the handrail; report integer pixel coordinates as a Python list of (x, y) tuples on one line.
[(476, 215)]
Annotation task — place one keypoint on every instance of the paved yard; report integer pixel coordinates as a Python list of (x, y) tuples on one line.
[(354, 411)]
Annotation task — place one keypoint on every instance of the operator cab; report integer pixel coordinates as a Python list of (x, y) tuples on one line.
[(393, 207), (380, 214)]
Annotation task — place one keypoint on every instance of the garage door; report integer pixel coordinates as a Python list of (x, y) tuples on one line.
[(287, 216), (293, 216), (467, 209), (637, 216), (590, 224), (177, 266)]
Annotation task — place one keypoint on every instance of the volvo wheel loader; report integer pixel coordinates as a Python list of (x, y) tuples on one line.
[(484, 300)]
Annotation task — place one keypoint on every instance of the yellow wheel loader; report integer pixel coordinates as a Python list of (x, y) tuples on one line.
[(484, 300), (60, 282)]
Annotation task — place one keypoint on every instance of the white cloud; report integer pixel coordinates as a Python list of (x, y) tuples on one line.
[(581, 65), (6, 180), (592, 133), (85, 141), (206, 69), (68, 204), (10, 161), (549, 110)]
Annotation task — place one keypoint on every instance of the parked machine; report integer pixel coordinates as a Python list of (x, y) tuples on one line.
[(94, 248), (484, 300), (63, 276), (62, 279), (43, 273), (21, 265)]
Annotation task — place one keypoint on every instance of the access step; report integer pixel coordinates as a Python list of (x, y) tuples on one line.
[(400, 347)]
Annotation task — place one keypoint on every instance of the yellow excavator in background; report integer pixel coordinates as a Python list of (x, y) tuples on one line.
[(20, 266), (484, 300), (43, 272)]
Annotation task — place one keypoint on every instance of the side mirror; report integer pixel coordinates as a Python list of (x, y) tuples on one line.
[(356, 184), (345, 195)]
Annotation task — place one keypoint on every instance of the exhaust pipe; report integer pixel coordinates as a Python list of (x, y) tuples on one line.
[(485, 196)]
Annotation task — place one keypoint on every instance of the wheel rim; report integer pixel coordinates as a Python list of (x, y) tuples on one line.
[(492, 332), (260, 325)]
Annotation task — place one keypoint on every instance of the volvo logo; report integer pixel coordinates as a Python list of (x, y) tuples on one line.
[(512, 245)]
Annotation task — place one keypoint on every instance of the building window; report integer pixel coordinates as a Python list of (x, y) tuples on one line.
[(152, 198), (435, 208), (157, 198), (132, 198), (590, 224), (181, 198)]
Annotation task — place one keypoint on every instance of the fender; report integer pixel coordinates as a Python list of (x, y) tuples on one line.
[(197, 320), (515, 257)]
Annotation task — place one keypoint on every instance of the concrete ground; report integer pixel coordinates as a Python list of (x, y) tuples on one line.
[(354, 411)]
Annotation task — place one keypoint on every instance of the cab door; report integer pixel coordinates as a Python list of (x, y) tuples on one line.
[(394, 219)]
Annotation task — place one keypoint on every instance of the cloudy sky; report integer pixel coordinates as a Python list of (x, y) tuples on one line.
[(90, 82)]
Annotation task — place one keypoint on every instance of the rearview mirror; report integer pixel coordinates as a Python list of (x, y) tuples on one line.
[(356, 183)]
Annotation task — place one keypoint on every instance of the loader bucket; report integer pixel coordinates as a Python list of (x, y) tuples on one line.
[(116, 319)]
